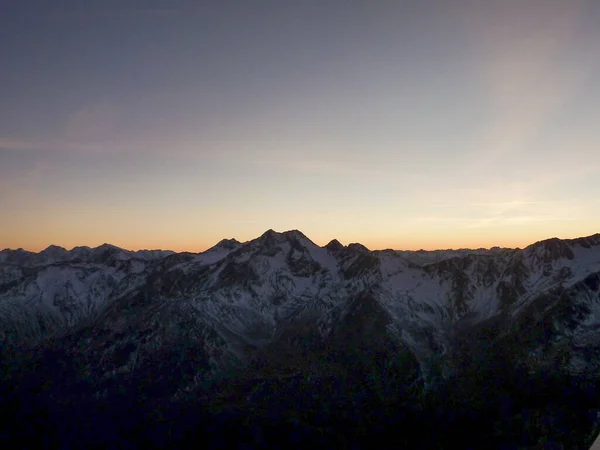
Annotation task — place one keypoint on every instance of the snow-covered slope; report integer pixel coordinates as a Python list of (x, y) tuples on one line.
[(285, 293)]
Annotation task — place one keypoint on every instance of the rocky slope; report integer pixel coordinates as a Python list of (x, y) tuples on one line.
[(279, 306)]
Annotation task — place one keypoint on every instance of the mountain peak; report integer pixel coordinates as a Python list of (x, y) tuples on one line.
[(294, 234), (228, 244), (270, 234), (54, 252), (54, 248), (552, 249), (106, 246), (334, 245), (355, 246)]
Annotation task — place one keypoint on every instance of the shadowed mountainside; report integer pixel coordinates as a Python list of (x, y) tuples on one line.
[(282, 339)]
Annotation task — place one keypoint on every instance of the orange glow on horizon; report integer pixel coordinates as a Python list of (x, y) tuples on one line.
[(195, 246)]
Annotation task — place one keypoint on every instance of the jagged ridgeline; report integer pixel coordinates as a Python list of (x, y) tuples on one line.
[(289, 343)]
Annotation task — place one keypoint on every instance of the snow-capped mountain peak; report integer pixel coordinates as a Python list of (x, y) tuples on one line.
[(282, 287)]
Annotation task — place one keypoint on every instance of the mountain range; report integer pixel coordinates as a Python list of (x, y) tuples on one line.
[(467, 329)]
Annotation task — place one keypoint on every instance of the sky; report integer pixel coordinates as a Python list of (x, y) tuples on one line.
[(398, 124)]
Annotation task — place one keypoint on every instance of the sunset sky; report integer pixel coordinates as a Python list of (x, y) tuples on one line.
[(397, 124)]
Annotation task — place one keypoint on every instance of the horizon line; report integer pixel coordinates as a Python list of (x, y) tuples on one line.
[(292, 230)]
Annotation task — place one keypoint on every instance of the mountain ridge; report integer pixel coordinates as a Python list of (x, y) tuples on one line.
[(393, 325), (289, 264), (292, 232)]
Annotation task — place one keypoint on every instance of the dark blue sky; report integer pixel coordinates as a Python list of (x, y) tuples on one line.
[(234, 117)]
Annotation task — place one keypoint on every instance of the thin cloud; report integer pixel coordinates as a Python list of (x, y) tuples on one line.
[(22, 145), (510, 203), (535, 218), (523, 45), (500, 220), (62, 146), (434, 218), (91, 129), (312, 166), (88, 9), (93, 123)]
